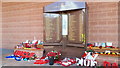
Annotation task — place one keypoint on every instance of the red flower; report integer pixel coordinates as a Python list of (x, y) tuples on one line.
[(51, 54)]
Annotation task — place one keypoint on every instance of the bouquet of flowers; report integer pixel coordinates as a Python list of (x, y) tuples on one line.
[(54, 53)]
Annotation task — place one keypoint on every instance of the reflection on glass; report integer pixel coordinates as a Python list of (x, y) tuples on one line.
[(51, 15), (64, 24)]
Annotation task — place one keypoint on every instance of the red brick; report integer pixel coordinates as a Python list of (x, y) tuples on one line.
[(106, 16), (23, 21)]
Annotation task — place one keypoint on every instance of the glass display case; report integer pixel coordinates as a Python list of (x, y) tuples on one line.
[(65, 26)]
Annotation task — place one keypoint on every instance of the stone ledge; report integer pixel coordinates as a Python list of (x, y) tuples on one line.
[(111, 59)]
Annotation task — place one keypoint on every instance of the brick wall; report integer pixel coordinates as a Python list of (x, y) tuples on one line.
[(0, 24), (23, 21), (119, 24), (103, 22)]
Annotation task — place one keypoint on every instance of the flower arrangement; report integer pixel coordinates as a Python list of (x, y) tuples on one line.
[(35, 44), (54, 53)]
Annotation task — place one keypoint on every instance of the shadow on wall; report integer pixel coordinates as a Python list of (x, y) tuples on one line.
[(6, 51)]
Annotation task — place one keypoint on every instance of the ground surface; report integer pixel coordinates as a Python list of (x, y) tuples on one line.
[(67, 52)]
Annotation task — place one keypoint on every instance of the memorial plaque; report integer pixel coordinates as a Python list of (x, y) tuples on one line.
[(53, 27), (76, 27)]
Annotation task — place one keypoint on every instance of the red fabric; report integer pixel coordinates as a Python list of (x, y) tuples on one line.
[(38, 48), (41, 62), (23, 54), (100, 47), (15, 53), (106, 64), (31, 54), (27, 56), (36, 43), (84, 55), (51, 54), (65, 65), (91, 45), (114, 65), (58, 53), (27, 45), (110, 46), (57, 62), (72, 61), (42, 58)]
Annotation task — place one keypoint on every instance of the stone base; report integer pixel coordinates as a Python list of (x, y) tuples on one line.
[(111, 59)]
